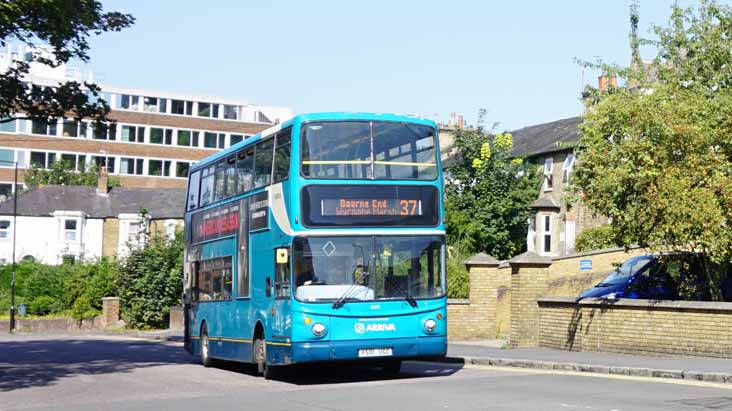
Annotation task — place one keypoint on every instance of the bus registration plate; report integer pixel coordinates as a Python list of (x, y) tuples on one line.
[(375, 352)]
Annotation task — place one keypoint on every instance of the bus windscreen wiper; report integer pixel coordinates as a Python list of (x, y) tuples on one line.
[(402, 291), (349, 291)]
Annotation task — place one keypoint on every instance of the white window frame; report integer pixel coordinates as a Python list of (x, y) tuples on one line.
[(6, 233), (567, 169), (170, 228), (74, 232), (546, 234), (548, 173)]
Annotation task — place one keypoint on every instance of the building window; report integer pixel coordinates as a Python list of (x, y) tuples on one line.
[(73, 128), (209, 140), (100, 162), (548, 169), (133, 134), (133, 232), (7, 126), (161, 136), (181, 107), (44, 127), (76, 162), (546, 238), (235, 138), (170, 228), (70, 230), (105, 132), (231, 112), (150, 104), (41, 159), (181, 169), (131, 166), (567, 169), (159, 168), (5, 228), (204, 109), (129, 102)]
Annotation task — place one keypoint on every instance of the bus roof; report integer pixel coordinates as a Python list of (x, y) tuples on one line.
[(336, 115)]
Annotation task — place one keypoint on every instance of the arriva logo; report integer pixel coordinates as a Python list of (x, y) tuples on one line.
[(361, 328)]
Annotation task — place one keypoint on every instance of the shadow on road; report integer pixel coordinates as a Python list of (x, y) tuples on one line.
[(343, 373), (33, 363)]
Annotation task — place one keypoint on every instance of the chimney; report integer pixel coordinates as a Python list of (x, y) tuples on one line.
[(605, 82), (102, 183)]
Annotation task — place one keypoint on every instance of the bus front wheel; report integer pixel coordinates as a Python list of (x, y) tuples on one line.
[(260, 358), (205, 348)]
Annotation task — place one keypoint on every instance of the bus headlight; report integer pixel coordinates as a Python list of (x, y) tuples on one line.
[(430, 326), (318, 330)]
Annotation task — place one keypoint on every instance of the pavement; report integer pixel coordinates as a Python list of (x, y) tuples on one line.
[(119, 372), (494, 352)]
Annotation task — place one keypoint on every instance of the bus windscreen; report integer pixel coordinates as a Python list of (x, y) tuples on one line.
[(359, 150)]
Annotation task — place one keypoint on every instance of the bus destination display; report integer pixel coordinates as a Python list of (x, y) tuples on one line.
[(370, 207)]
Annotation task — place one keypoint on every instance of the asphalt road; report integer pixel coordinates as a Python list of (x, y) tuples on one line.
[(109, 373)]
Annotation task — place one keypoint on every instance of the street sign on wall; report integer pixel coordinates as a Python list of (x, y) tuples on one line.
[(585, 265)]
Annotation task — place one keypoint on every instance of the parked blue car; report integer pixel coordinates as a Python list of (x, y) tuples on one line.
[(654, 277)]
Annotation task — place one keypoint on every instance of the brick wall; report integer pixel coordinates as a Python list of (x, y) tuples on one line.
[(637, 326), (566, 279)]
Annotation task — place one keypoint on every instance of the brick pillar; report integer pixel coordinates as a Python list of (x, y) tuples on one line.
[(110, 311), (176, 318), (482, 270), (529, 275)]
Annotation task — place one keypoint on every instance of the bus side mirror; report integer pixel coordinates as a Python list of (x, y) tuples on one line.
[(268, 287)]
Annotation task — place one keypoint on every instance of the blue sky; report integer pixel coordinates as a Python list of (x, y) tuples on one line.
[(515, 59)]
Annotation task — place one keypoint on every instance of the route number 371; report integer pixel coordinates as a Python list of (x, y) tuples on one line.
[(409, 207)]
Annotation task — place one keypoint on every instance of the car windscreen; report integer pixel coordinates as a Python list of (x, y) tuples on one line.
[(629, 268)]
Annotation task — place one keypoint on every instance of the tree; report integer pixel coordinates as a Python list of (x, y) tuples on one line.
[(150, 281), (656, 155), (61, 27), (63, 173), (488, 194)]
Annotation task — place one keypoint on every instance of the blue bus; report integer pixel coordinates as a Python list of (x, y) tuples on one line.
[(319, 239)]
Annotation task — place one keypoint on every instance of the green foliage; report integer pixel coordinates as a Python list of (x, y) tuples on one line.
[(150, 281), (597, 238), (43, 305), (488, 195), (65, 28), (82, 309), (62, 173), (656, 155), (50, 289), (458, 281)]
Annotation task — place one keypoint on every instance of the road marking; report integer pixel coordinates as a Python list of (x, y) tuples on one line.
[(599, 375)]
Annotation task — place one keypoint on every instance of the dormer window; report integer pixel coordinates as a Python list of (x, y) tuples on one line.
[(70, 230), (567, 169), (548, 170)]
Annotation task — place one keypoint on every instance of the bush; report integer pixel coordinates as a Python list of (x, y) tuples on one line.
[(596, 239), (458, 280), (150, 281), (49, 289), (43, 305), (82, 309)]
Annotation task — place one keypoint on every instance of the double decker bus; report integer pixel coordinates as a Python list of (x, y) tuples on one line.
[(319, 239)]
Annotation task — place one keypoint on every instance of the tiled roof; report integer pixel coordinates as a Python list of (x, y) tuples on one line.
[(43, 201), (544, 203), (546, 137)]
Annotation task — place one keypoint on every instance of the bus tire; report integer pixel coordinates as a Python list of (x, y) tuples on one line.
[(206, 359), (260, 356), (392, 367)]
